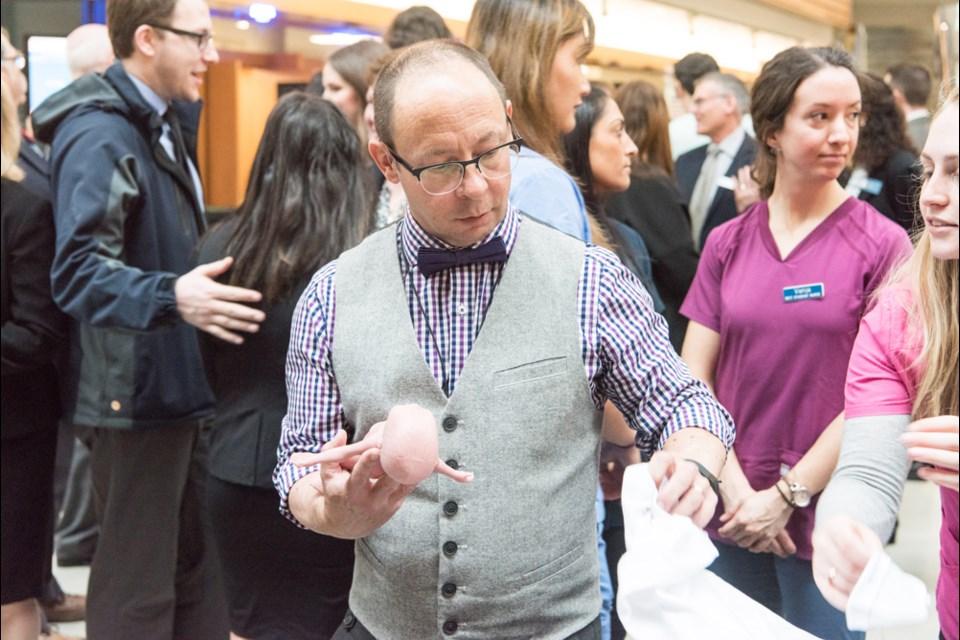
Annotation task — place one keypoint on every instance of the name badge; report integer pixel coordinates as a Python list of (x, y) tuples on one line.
[(803, 292), (873, 186), (725, 182)]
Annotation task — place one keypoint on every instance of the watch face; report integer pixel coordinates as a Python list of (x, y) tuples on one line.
[(801, 495)]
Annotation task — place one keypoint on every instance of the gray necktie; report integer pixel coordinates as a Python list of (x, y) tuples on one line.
[(703, 192)]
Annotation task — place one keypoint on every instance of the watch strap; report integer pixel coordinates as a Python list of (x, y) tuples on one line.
[(712, 479), (786, 498)]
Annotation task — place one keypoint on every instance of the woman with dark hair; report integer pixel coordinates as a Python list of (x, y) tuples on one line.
[(598, 153), (773, 312), (308, 200), (652, 205), (886, 169)]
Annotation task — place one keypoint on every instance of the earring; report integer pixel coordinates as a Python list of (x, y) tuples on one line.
[(774, 150)]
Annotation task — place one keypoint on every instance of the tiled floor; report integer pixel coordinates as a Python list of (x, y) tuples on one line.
[(916, 550)]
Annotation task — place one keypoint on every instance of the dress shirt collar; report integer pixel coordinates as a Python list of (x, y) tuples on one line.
[(149, 94), (916, 114), (731, 144), (412, 236)]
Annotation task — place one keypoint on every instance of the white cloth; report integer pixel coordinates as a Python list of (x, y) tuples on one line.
[(665, 589), (886, 596)]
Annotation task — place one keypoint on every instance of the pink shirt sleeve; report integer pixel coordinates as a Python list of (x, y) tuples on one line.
[(878, 379)]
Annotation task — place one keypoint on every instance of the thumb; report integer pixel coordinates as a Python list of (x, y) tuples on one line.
[(213, 269)]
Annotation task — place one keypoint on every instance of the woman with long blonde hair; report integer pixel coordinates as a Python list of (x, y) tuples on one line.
[(902, 395)]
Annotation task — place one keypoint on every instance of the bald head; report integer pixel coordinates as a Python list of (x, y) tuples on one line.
[(420, 63), (89, 49)]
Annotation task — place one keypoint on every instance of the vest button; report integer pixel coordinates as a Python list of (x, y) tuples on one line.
[(450, 508), (448, 589), (453, 464), (450, 627), (450, 548), (449, 423)]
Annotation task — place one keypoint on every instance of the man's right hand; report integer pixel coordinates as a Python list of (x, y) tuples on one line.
[(347, 503), (213, 307)]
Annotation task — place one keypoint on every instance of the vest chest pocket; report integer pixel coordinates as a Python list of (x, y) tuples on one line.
[(530, 372)]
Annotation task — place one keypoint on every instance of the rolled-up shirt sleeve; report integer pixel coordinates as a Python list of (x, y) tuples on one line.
[(314, 412), (635, 365)]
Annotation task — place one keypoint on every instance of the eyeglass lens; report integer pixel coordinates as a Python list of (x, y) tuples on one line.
[(493, 165)]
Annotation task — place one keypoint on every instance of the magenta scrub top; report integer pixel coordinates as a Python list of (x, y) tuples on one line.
[(881, 382), (786, 330)]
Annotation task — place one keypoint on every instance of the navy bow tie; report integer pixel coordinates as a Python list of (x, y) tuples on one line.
[(431, 261)]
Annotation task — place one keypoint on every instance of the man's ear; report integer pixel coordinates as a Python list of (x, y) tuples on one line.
[(384, 161), (145, 40), (509, 106)]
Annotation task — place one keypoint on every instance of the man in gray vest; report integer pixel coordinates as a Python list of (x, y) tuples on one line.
[(514, 336)]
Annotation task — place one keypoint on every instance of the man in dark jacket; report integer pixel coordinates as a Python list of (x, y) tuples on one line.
[(707, 175), (128, 208)]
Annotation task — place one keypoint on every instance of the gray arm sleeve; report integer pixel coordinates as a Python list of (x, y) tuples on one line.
[(867, 484)]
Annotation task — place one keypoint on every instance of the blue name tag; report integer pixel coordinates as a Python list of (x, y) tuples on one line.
[(803, 292), (873, 186)]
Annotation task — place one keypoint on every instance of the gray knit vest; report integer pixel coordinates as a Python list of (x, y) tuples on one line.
[(514, 553)]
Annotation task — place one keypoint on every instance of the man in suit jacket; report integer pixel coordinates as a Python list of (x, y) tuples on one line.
[(708, 174), (911, 87)]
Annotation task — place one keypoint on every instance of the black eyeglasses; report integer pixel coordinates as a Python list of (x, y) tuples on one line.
[(203, 38), (445, 177)]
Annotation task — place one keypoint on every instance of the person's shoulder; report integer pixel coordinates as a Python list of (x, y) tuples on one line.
[(19, 200), (733, 230), (691, 157), (23, 211), (871, 226), (534, 169), (211, 245)]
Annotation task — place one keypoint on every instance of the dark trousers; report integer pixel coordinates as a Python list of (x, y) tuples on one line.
[(353, 629), (76, 533), (153, 575)]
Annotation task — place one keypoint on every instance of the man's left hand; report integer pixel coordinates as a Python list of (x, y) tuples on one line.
[(682, 490), (214, 307)]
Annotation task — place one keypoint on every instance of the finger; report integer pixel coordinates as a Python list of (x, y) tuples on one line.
[(232, 324), (660, 466), (932, 439), (675, 488), (936, 457), (708, 506), (213, 269), (220, 307), (786, 542), (948, 479), (230, 292), (221, 333), (364, 471), (936, 423)]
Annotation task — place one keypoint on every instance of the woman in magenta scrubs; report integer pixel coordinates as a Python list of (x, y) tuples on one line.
[(774, 310), (903, 368)]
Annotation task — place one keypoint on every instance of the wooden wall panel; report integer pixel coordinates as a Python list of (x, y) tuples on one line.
[(237, 103), (838, 13)]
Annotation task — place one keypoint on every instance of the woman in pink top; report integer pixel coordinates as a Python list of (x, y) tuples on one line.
[(903, 368), (774, 310)]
